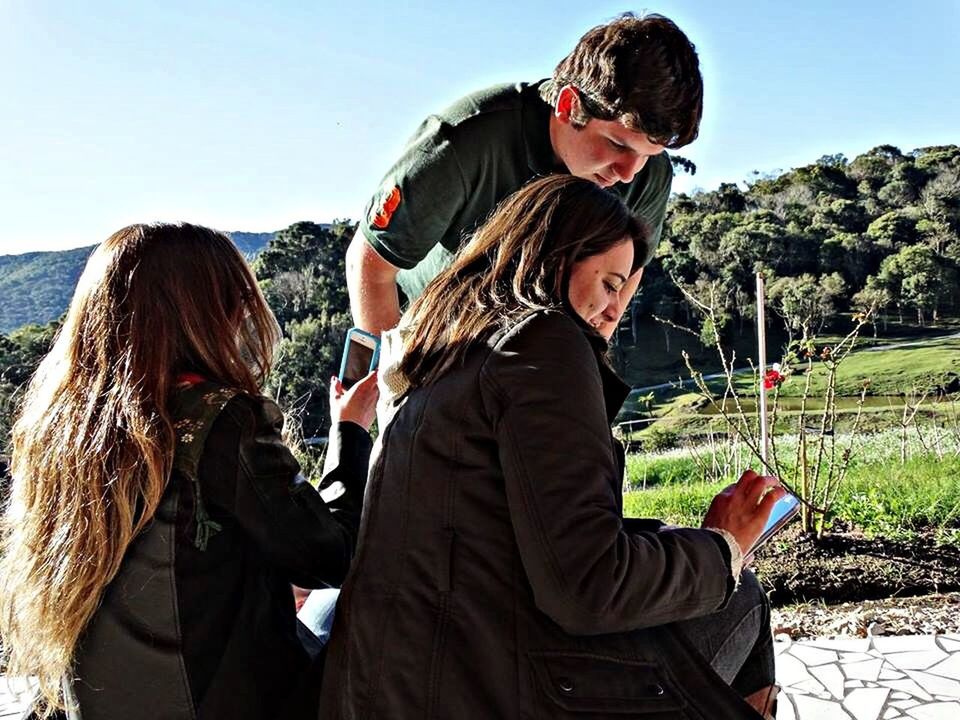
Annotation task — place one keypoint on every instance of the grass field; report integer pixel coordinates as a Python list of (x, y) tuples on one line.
[(881, 495), (656, 355), (893, 373), (911, 368)]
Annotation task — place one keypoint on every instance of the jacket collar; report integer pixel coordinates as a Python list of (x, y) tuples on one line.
[(615, 390)]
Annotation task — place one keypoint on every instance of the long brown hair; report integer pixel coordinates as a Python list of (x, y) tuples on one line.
[(519, 260), (93, 442)]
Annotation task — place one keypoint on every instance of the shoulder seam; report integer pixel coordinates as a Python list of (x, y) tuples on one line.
[(509, 334)]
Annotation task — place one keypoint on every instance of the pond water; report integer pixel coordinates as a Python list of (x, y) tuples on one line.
[(893, 403)]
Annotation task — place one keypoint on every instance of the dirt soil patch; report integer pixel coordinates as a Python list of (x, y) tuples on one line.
[(848, 567), (925, 615)]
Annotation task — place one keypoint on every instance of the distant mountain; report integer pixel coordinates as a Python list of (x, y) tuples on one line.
[(250, 244), (36, 287)]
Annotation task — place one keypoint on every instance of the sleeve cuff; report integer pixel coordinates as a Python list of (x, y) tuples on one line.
[(348, 457), (384, 252), (736, 554)]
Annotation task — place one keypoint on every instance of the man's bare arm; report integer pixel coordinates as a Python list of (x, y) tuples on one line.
[(372, 284)]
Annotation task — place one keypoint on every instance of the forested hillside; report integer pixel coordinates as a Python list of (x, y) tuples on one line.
[(881, 230), (36, 287)]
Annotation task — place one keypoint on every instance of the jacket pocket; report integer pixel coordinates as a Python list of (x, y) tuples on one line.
[(437, 651), (573, 684)]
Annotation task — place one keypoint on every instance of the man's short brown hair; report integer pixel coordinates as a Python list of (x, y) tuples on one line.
[(642, 71)]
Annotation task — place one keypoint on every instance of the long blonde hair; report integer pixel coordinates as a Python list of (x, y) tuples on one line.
[(93, 443)]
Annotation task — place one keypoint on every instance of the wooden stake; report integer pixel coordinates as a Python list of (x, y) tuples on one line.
[(762, 395)]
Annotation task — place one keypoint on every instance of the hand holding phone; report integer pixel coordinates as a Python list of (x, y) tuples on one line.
[(361, 352), (358, 404), (783, 511)]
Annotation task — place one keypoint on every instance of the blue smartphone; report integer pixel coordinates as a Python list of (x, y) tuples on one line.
[(784, 510), (361, 353)]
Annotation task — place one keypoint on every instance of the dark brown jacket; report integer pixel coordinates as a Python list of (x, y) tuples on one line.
[(200, 624), (495, 576)]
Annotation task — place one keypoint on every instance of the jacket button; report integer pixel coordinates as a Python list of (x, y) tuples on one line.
[(656, 689), (565, 684)]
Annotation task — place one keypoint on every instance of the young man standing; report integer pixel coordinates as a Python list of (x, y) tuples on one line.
[(630, 89)]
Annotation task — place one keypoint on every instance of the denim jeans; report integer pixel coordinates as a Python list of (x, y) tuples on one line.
[(316, 618), (737, 641)]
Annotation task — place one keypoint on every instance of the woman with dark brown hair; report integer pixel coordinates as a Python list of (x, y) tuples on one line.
[(496, 576), (157, 520)]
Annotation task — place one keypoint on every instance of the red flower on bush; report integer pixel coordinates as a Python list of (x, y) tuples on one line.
[(772, 378)]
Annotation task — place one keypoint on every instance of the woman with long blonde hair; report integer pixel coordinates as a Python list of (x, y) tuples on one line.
[(156, 519)]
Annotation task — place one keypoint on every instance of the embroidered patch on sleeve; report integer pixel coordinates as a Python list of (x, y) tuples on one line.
[(381, 215)]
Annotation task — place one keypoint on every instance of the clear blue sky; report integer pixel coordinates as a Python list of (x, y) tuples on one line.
[(251, 115)]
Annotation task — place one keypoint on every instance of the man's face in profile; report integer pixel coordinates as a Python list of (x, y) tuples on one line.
[(603, 151)]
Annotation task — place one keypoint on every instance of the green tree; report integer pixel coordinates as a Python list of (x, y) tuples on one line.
[(851, 254), (871, 171), (893, 230), (20, 353), (935, 157), (840, 215), (916, 277), (308, 355), (806, 302), (303, 279), (871, 301), (941, 197)]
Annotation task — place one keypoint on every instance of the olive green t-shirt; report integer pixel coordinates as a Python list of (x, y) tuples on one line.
[(461, 163)]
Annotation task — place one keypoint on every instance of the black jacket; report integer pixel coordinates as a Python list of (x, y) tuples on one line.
[(495, 576), (200, 622)]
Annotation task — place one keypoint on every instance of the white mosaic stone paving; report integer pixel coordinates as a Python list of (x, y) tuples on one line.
[(936, 711), (908, 688), (903, 643), (883, 678), (905, 704), (848, 645), (856, 657), (936, 685), (831, 678), (809, 707), (809, 655), (948, 668), (866, 703), (919, 660), (863, 670)]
